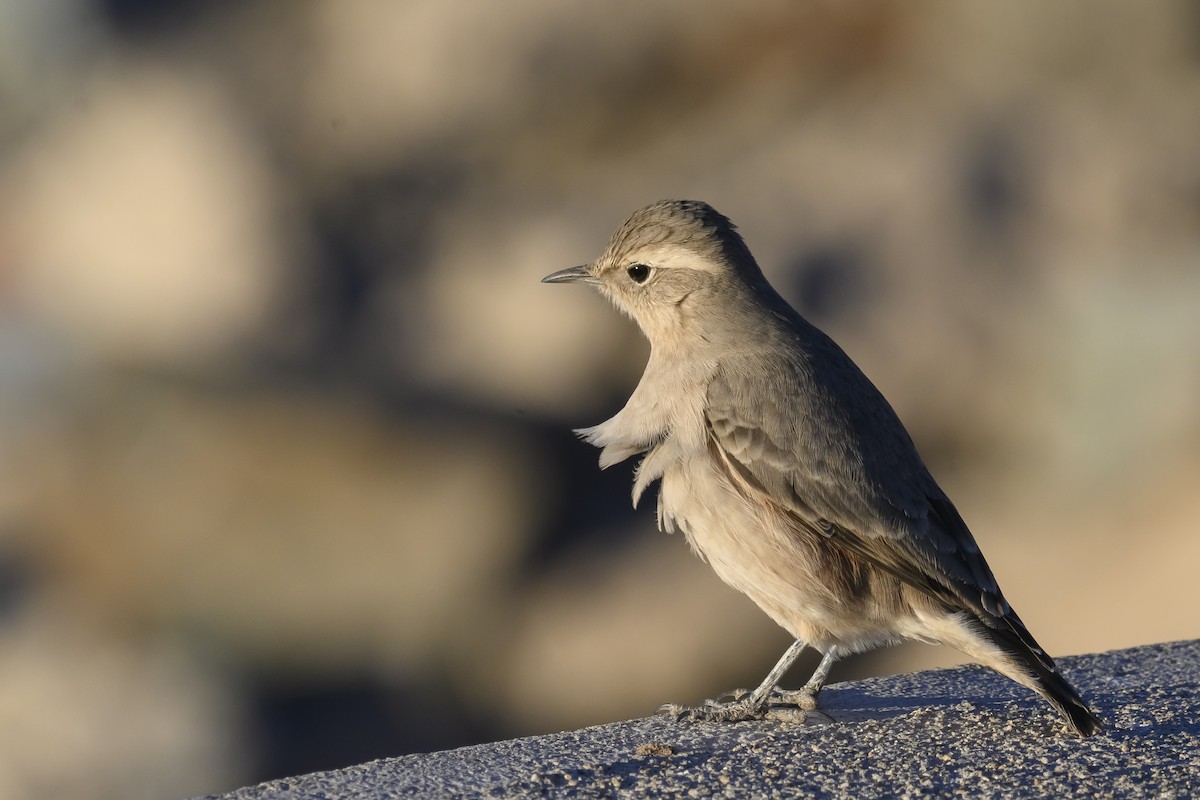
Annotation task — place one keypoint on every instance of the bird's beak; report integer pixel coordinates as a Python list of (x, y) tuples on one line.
[(578, 274)]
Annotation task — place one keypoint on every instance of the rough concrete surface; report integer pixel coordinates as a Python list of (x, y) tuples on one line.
[(956, 732)]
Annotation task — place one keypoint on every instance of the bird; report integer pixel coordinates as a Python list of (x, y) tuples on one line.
[(789, 472)]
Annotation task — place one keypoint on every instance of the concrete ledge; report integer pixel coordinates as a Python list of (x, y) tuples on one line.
[(963, 731)]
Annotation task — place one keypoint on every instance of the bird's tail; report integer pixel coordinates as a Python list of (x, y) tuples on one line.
[(1033, 668)]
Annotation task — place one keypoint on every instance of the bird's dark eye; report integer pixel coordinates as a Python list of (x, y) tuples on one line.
[(638, 273)]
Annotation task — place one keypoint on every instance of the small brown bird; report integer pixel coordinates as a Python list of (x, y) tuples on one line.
[(788, 471)]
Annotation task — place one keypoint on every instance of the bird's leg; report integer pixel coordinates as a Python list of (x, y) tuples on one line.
[(806, 696), (744, 705)]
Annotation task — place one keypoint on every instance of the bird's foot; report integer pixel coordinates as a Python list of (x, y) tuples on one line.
[(741, 706), (804, 698), (716, 711)]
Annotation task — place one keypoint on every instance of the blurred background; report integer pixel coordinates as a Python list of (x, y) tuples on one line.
[(287, 480)]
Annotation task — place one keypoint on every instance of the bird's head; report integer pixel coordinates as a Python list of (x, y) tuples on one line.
[(671, 266)]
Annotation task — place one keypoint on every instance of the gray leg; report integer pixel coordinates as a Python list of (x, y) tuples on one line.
[(806, 697), (760, 695), (745, 705), (822, 671)]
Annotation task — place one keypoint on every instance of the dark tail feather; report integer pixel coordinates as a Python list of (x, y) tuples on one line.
[(1014, 639), (1064, 697)]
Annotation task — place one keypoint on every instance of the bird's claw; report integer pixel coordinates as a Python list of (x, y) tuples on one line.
[(672, 710), (733, 694)]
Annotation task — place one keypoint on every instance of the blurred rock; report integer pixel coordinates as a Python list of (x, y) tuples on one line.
[(141, 223), (302, 530), (89, 716)]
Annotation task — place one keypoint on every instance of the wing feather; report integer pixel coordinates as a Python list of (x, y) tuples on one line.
[(849, 473)]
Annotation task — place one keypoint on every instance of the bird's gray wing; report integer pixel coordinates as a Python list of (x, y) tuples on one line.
[(819, 441)]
